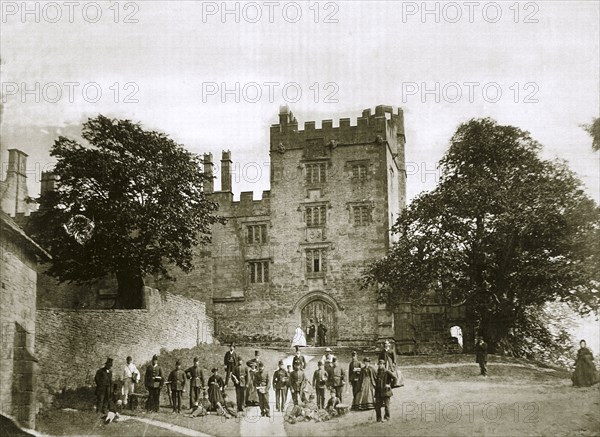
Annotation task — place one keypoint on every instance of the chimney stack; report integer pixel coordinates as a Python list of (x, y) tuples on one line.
[(226, 171), (209, 185), (14, 198)]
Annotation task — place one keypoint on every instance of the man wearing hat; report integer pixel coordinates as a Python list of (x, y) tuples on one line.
[(311, 333), (177, 379), (321, 333), (327, 359), (297, 382), (280, 381), (384, 381), (299, 359), (337, 378), (130, 377), (319, 382), (230, 361), (239, 381), (262, 382), (256, 360), (154, 381), (196, 377), (103, 380), (354, 369)]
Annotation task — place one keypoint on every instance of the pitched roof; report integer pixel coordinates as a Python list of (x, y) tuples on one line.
[(9, 225)]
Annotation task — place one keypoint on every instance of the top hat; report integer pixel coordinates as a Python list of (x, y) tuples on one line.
[(154, 357), (214, 369), (280, 362), (195, 359), (256, 353), (328, 350), (109, 362)]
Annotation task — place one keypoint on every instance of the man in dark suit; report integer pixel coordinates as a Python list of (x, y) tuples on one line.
[(196, 377), (384, 380), (103, 380), (154, 381), (481, 349), (321, 333), (337, 378), (319, 382), (239, 381), (262, 383), (311, 333), (280, 381), (299, 359), (354, 373), (297, 382), (230, 361), (177, 379)]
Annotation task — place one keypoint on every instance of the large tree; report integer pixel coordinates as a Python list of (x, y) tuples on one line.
[(128, 203), (503, 233)]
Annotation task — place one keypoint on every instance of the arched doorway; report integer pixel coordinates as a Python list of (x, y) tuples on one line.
[(321, 311)]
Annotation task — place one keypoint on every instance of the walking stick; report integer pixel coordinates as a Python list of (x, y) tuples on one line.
[(168, 385)]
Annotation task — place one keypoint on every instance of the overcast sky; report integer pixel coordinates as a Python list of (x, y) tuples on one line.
[(534, 65), (176, 58)]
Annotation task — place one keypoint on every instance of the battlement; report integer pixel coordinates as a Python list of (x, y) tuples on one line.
[(245, 207), (383, 123)]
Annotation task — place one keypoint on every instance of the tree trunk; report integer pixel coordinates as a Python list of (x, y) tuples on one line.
[(130, 294)]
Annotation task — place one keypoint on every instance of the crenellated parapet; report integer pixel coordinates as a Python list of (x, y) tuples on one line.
[(383, 125), (245, 207)]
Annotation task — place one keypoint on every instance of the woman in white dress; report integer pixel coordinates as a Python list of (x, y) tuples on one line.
[(299, 337)]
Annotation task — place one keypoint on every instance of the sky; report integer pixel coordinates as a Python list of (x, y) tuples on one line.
[(212, 75)]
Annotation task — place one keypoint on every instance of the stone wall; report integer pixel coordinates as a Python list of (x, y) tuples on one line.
[(17, 327), (72, 344)]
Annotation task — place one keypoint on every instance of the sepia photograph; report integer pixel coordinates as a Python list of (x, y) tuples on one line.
[(299, 218)]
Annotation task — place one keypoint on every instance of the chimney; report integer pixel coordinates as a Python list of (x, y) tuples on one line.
[(14, 198), (226, 171), (48, 182), (209, 185)]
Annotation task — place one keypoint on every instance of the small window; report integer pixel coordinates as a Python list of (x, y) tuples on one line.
[(316, 173), (362, 215), (256, 234), (259, 272), (315, 260), (316, 216), (359, 172)]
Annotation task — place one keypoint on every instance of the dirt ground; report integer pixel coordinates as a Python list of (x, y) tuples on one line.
[(443, 395)]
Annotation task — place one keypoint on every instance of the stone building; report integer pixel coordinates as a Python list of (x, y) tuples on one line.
[(298, 253), (18, 365)]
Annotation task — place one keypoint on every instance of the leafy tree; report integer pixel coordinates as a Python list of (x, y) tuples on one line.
[(503, 233), (128, 203), (594, 130)]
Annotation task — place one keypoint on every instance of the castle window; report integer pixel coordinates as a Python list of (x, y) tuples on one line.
[(359, 172), (316, 215), (315, 260), (362, 215), (316, 173), (258, 272), (256, 234)]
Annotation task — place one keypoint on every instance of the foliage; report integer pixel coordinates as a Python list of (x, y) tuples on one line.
[(594, 130), (143, 193), (504, 232)]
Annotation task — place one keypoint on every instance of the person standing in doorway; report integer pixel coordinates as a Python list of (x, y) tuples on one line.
[(321, 334), (311, 332)]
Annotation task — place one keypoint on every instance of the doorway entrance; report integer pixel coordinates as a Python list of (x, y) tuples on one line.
[(321, 311)]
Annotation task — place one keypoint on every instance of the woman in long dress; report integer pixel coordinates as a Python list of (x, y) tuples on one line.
[(299, 338), (215, 389), (365, 397), (585, 373), (251, 393), (389, 356)]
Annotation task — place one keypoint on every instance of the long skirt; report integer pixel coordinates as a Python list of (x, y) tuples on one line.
[(585, 373), (215, 395), (251, 394), (365, 397)]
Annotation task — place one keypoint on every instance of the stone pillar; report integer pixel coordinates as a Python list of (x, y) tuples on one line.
[(14, 198), (209, 185)]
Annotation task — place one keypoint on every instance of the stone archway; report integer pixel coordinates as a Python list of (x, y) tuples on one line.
[(319, 306)]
